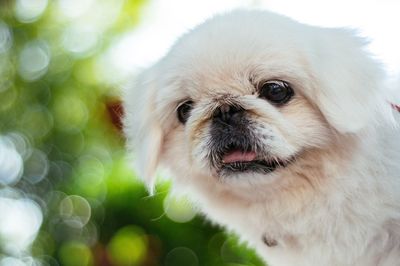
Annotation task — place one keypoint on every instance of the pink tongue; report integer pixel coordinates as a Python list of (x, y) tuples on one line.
[(239, 156)]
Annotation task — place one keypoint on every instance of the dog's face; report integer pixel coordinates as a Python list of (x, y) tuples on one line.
[(243, 123), (250, 100)]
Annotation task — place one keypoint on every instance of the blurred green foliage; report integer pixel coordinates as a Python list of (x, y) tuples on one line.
[(53, 108)]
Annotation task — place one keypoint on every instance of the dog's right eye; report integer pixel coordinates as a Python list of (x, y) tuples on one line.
[(276, 91), (183, 111)]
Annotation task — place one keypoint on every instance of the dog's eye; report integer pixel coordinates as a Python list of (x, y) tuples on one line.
[(277, 92), (183, 111)]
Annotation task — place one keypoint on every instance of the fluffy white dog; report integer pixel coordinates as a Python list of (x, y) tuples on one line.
[(281, 132)]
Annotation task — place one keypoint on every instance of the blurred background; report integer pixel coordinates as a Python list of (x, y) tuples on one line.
[(67, 193)]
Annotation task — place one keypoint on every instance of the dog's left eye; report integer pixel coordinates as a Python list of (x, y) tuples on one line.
[(183, 111), (277, 92)]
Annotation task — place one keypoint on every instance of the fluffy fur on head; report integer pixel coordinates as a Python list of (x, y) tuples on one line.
[(281, 132)]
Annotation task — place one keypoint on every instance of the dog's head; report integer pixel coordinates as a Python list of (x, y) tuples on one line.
[(240, 100)]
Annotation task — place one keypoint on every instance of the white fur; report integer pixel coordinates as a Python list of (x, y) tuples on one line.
[(339, 202)]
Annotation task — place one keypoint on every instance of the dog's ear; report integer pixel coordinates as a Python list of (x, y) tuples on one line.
[(350, 89), (142, 127)]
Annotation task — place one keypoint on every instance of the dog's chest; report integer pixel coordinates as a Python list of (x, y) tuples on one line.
[(284, 239), (278, 242), (258, 227)]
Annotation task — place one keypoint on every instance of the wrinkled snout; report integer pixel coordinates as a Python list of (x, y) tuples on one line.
[(230, 128)]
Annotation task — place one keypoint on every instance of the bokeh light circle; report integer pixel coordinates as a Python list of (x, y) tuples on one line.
[(70, 113), (91, 170), (5, 38), (178, 209), (128, 246), (80, 41), (20, 222), (75, 253), (21, 143), (90, 234), (34, 60), (11, 163), (36, 167), (181, 256), (36, 121), (75, 211), (29, 10)]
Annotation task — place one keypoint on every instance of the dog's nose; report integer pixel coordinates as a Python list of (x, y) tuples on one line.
[(228, 113)]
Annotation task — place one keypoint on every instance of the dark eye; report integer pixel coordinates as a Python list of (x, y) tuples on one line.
[(183, 111), (277, 92)]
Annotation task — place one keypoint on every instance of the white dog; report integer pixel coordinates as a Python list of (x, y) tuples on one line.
[(281, 132)]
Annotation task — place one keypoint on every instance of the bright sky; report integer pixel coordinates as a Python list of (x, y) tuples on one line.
[(165, 20)]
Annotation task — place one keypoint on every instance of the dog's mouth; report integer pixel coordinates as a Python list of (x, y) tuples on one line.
[(240, 160)]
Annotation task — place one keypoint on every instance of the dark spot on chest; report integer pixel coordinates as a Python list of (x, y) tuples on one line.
[(270, 242)]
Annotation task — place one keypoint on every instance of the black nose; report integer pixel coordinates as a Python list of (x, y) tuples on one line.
[(228, 113)]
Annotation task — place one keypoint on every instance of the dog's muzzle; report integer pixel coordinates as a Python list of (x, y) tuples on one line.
[(234, 146)]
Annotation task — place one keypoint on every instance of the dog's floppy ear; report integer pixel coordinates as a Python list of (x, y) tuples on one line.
[(142, 127), (350, 85)]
